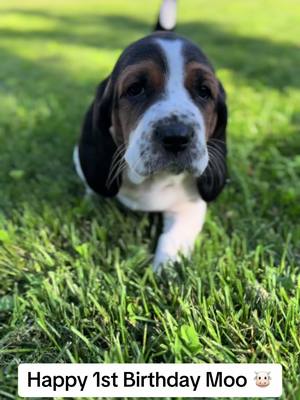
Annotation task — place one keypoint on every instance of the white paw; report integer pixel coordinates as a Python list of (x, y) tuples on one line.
[(180, 231), (170, 250)]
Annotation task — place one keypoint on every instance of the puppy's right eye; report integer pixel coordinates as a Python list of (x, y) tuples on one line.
[(135, 89)]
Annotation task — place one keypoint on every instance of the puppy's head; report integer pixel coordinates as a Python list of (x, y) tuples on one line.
[(166, 109)]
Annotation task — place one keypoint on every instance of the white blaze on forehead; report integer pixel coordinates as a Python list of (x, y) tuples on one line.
[(177, 99), (172, 50)]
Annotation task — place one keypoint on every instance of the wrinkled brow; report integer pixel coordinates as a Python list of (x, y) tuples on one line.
[(208, 76), (131, 72)]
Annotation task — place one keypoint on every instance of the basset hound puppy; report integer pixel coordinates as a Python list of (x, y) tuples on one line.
[(155, 135)]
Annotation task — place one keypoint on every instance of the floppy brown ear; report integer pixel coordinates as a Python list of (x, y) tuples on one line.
[(213, 180), (96, 146)]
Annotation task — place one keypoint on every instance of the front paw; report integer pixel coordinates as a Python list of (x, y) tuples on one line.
[(161, 260), (170, 251)]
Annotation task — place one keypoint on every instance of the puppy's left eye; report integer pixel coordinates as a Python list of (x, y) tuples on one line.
[(204, 92)]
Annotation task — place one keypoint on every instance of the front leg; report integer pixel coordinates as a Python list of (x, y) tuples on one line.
[(181, 227)]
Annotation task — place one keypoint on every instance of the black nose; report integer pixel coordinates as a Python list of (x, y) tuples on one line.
[(174, 137)]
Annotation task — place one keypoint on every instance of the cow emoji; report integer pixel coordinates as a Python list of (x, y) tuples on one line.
[(262, 379)]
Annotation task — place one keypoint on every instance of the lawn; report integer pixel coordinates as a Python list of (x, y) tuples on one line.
[(76, 282)]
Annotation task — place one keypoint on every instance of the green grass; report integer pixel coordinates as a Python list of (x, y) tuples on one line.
[(76, 283)]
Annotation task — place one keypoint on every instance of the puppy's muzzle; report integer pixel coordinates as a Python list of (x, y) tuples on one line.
[(175, 137)]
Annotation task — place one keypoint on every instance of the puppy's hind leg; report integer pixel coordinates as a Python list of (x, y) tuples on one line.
[(181, 227), (78, 169)]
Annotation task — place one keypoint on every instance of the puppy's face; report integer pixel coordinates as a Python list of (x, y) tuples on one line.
[(164, 107)]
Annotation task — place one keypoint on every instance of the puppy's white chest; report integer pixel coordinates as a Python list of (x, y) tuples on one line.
[(158, 193)]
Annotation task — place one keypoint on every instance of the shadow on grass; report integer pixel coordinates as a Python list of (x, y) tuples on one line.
[(256, 60), (40, 119)]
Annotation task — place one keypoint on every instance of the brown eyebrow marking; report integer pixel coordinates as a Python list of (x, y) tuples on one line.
[(208, 76), (132, 71), (193, 69), (126, 115)]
